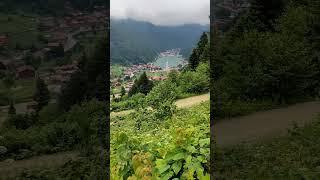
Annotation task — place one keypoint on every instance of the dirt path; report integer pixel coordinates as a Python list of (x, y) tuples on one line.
[(11, 169), (262, 125), (182, 103)]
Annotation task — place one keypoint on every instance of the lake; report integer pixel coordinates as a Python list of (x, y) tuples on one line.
[(173, 61)]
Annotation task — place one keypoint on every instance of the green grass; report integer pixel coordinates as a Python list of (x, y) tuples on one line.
[(22, 30), (295, 156), (160, 139), (116, 70), (164, 73), (23, 92)]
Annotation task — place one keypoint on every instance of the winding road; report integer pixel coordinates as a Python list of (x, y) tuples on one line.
[(181, 103), (11, 169), (264, 125)]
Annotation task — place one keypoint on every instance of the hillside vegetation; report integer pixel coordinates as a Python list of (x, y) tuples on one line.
[(157, 140), (270, 56), (295, 156)]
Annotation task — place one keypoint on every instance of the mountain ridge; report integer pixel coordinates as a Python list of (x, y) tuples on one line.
[(135, 41)]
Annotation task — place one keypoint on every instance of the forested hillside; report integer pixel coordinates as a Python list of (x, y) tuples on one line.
[(139, 42), (269, 56)]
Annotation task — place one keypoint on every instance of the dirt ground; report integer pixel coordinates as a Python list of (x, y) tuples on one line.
[(11, 169), (181, 103), (264, 125)]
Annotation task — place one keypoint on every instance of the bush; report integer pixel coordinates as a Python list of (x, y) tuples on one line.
[(22, 121), (126, 104), (195, 81)]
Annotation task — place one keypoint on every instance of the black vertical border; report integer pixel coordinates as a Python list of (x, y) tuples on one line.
[(106, 157), (212, 117)]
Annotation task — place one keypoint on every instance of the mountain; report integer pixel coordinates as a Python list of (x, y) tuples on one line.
[(139, 42)]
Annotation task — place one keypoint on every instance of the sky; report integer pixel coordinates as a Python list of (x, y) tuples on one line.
[(162, 12)]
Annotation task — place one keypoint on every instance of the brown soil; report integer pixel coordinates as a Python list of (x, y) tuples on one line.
[(11, 169), (263, 125)]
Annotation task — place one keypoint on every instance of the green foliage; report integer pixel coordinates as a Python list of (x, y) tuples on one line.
[(90, 80), (195, 81), (141, 85), (123, 91), (178, 147), (21, 121), (81, 127), (12, 109), (42, 94), (129, 103), (266, 64), (201, 51), (291, 157)]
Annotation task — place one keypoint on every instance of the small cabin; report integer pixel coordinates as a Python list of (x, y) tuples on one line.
[(25, 72)]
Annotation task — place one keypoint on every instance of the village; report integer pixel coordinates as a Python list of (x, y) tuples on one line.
[(57, 37), (154, 72)]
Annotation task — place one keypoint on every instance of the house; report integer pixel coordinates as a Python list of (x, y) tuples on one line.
[(47, 23), (25, 72), (157, 78), (32, 106), (59, 79), (59, 37), (4, 40)]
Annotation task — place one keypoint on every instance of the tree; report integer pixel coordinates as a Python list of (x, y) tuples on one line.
[(91, 79), (198, 52), (35, 63), (202, 43), (142, 85), (264, 12), (193, 60), (9, 82), (12, 109), (74, 91), (42, 94), (123, 91)]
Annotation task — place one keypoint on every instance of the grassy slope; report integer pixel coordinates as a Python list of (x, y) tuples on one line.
[(161, 135), (295, 156), (23, 92), (181, 103)]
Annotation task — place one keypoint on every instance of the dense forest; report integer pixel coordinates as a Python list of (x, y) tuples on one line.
[(76, 123), (139, 42), (268, 58)]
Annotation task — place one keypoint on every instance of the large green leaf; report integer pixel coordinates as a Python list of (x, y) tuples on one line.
[(178, 156), (204, 142), (176, 167)]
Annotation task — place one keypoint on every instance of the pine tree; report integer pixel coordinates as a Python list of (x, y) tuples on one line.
[(193, 60), (142, 85), (123, 91), (145, 85), (74, 91), (202, 44), (134, 89), (264, 12), (42, 94), (12, 109)]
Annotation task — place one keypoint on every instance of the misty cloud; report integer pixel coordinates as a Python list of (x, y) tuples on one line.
[(162, 12)]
